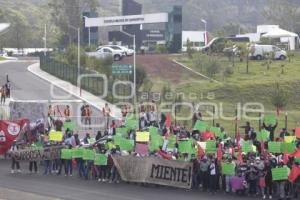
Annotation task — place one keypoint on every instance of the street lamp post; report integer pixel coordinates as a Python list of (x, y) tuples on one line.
[(134, 62), (78, 54), (205, 26)]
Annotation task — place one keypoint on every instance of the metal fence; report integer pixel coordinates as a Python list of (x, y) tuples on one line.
[(69, 73)]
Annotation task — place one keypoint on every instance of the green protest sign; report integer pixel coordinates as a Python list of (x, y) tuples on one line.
[(171, 141), (158, 139), (247, 147), (132, 124), (66, 154), (126, 145), (117, 140), (100, 159), (297, 159), (153, 130), (280, 173), (69, 125), (88, 154), (263, 135), (210, 146), (121, 132), (131, 116), (274, 147), (270, 119), (109, 145), (228, 169), (217, 131), (185, 146), (201, 126), (91, 140), (77, 153), (288, 147), (154, 146)]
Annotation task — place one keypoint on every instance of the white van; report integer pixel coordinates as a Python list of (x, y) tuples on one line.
[(258, 51)]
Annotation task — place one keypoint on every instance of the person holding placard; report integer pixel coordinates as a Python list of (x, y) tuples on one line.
[(271, 128)]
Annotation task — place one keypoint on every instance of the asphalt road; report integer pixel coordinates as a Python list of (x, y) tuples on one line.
[(37, 186), (26, 86)]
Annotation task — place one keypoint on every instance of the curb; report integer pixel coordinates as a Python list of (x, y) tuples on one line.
[(30, 69), (199, 74)]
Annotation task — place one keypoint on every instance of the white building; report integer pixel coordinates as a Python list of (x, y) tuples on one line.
[(273, 31), (196, 38)]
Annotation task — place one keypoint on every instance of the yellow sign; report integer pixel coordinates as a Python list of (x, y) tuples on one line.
[(56, 136), (289, 139), (142, 136)]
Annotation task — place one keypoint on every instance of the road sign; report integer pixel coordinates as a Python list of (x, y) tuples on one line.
[(121, 69)]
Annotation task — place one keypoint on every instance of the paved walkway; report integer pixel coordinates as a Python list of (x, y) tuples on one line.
[(91, 99)]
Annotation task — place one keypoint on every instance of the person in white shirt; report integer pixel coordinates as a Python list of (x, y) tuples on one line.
[(14, 162), (212, 177)]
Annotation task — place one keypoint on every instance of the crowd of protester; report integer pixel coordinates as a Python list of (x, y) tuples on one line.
[(253, 170)]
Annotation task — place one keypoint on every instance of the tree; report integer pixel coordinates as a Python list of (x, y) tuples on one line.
[(279, 97), (284, 13), (66, 13), (141, 76), (290, 55), (268, 59), (213, 67), (244, 51), (199, 61), (189, 49), (19, 33)]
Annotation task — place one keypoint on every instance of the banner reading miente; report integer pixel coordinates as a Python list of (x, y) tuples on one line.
[(37, 154), (154, 170)]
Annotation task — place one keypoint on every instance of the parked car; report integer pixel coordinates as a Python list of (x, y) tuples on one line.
[(258, 52), (99, 54), (116, 53), (128, 52)]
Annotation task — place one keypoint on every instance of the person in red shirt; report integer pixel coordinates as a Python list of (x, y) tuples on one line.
[(67, 112), (88, 114)]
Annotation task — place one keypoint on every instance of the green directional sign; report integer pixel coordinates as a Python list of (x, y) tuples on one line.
[(122, 69)]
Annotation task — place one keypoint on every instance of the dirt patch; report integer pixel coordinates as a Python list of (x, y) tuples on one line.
[(160, 67)]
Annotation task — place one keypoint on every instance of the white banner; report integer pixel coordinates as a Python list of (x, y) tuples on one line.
[(154, 170), (127, 20)]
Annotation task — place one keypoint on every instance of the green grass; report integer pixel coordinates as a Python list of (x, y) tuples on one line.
[(2, 58), (240, 87)]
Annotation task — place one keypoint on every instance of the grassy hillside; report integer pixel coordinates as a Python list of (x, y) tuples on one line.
[(240, 87)]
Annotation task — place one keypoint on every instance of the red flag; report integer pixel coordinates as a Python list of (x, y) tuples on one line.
[(285, 157), (168, 120), (239, 156), (9, 131), (164, 155), (219, 152), (296, 153), (295, 172), (238, 138), (200, 152), (207, 136)]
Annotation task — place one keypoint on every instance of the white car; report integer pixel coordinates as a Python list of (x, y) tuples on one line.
[(116, 54), (98, 54), (128, 52)]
